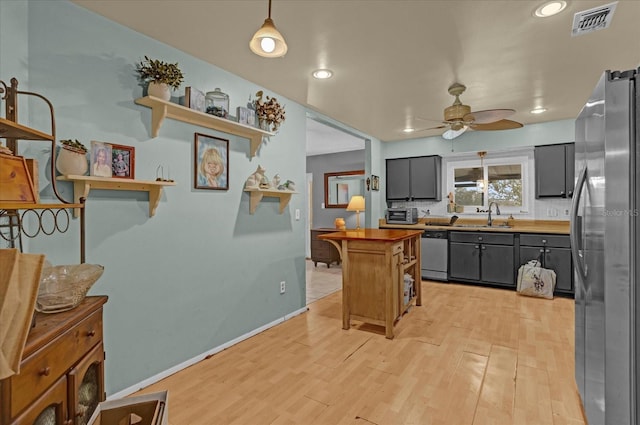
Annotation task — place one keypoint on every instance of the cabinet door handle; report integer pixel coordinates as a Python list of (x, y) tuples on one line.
[(544, 241), (541, 249), (479, 238), (484, 247), (562, 192), (548, 251), (91, 333), (45, 371), (477, 246)]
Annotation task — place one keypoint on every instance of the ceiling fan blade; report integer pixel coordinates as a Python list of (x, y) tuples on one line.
[(433, 128), (452, 134), (488, 116), (498, 125)]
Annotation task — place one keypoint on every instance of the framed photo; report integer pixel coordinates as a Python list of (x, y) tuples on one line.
[(375, 182), (123, 161), (211, 162), (246, 116), (194, 99), (100, 159)]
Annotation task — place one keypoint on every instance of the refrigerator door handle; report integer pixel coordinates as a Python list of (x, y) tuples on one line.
[(575, 203)]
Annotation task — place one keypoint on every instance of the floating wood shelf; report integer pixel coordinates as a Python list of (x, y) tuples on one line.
[(258, 194), (83, 184), (160, 109), (13, 130)]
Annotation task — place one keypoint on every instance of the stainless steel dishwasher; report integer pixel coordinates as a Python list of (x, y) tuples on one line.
[(434, 248)]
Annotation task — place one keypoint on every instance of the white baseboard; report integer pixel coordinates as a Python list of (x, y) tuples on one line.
[(160, 376)]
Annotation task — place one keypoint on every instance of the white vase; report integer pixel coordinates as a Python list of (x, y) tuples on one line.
[(71, 163), (159, 90)]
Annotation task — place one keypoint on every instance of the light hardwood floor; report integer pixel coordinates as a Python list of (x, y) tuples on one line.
[(468, 355)]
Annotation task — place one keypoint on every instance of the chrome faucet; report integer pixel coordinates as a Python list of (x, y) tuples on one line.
[(489, 220)]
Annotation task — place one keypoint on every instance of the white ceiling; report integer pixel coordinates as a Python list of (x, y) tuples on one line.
[(394, 60)]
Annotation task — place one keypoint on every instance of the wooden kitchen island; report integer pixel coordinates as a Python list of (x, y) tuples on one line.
[(374, 264)]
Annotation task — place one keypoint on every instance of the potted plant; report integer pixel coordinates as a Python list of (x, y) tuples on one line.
[(160, 75), (269, 111), (72, 158)]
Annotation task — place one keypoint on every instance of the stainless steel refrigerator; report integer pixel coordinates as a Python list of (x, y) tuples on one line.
[(605, 247)]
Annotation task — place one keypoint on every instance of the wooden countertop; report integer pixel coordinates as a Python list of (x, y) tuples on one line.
[(560, 227), (383, 235)]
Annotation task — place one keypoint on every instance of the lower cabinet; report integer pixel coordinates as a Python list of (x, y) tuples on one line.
[(323, 251), (482, 257), (554, 252), (61, 379)]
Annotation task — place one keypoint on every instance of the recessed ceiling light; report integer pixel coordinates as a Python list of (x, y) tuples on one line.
[(538, 110), (409, 130), (322, 74), (550, 8)]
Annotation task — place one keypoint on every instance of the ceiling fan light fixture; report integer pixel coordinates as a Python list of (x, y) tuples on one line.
[(550, 8), (322, 74), (538, 110), (267, 41)]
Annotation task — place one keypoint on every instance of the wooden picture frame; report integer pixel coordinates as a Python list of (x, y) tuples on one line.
[(100, 162), (123, 161), (194, 99), (375, 182), (211, 162)]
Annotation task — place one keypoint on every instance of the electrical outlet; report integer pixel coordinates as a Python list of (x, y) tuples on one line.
[(283, 287)]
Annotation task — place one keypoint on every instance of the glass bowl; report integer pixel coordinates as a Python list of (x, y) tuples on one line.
[(64, 287)]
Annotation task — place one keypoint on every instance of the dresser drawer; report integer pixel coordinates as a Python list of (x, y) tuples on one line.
[(47, 365)]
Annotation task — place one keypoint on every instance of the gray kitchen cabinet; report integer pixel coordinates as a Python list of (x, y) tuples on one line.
[(414, 178), (554, 165), (554, 252), (480, 257)]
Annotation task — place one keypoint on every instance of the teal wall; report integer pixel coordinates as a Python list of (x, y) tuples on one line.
[(202, 271)]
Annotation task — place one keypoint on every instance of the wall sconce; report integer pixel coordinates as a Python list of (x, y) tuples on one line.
[(356, 204), (267, 41)]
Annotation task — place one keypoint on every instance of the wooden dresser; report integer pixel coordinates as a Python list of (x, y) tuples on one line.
[(323, 251), (61, 377)]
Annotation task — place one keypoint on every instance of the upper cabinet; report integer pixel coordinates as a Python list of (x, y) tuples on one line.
[(554, 170), (161, 109), (414, 178)]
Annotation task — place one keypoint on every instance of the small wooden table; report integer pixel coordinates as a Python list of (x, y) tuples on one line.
[(374, 264)]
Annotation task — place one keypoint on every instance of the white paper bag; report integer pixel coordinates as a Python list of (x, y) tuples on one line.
[(535, 281)]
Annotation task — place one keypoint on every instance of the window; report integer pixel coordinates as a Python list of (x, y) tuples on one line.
[(477, 183)]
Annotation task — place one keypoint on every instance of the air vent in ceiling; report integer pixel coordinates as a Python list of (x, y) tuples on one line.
[(594, 19)]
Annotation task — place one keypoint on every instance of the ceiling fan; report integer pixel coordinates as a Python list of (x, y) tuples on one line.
[(458, 117)]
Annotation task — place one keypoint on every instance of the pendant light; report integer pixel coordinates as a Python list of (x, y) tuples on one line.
[(267, 41), (480, 183)]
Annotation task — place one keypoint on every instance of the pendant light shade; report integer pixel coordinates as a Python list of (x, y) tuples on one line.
[(267, 41)]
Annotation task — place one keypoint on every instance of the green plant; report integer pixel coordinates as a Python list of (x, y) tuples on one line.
[(160, 72), (73, 145)]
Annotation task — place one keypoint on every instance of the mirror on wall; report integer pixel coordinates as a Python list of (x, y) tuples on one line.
[(341, 186)]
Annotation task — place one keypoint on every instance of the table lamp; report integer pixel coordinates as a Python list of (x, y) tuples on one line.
[(356, 204)]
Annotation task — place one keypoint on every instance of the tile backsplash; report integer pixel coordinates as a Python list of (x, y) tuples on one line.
[(543, 209)]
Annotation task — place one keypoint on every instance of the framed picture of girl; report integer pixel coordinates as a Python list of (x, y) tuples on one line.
[(123, 160), (211, 162), (100, 159)]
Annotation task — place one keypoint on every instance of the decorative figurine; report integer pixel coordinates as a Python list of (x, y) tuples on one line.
[(254, 180)]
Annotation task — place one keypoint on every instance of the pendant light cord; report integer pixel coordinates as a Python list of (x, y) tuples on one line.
[(269, 9)]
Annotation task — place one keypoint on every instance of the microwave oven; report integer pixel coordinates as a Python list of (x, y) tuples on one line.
[(402, 216)]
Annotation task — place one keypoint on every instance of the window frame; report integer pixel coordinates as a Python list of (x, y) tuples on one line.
[(527, 180)]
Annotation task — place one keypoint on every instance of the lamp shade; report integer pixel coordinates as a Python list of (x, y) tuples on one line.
[(268, 42), (356, 203)]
